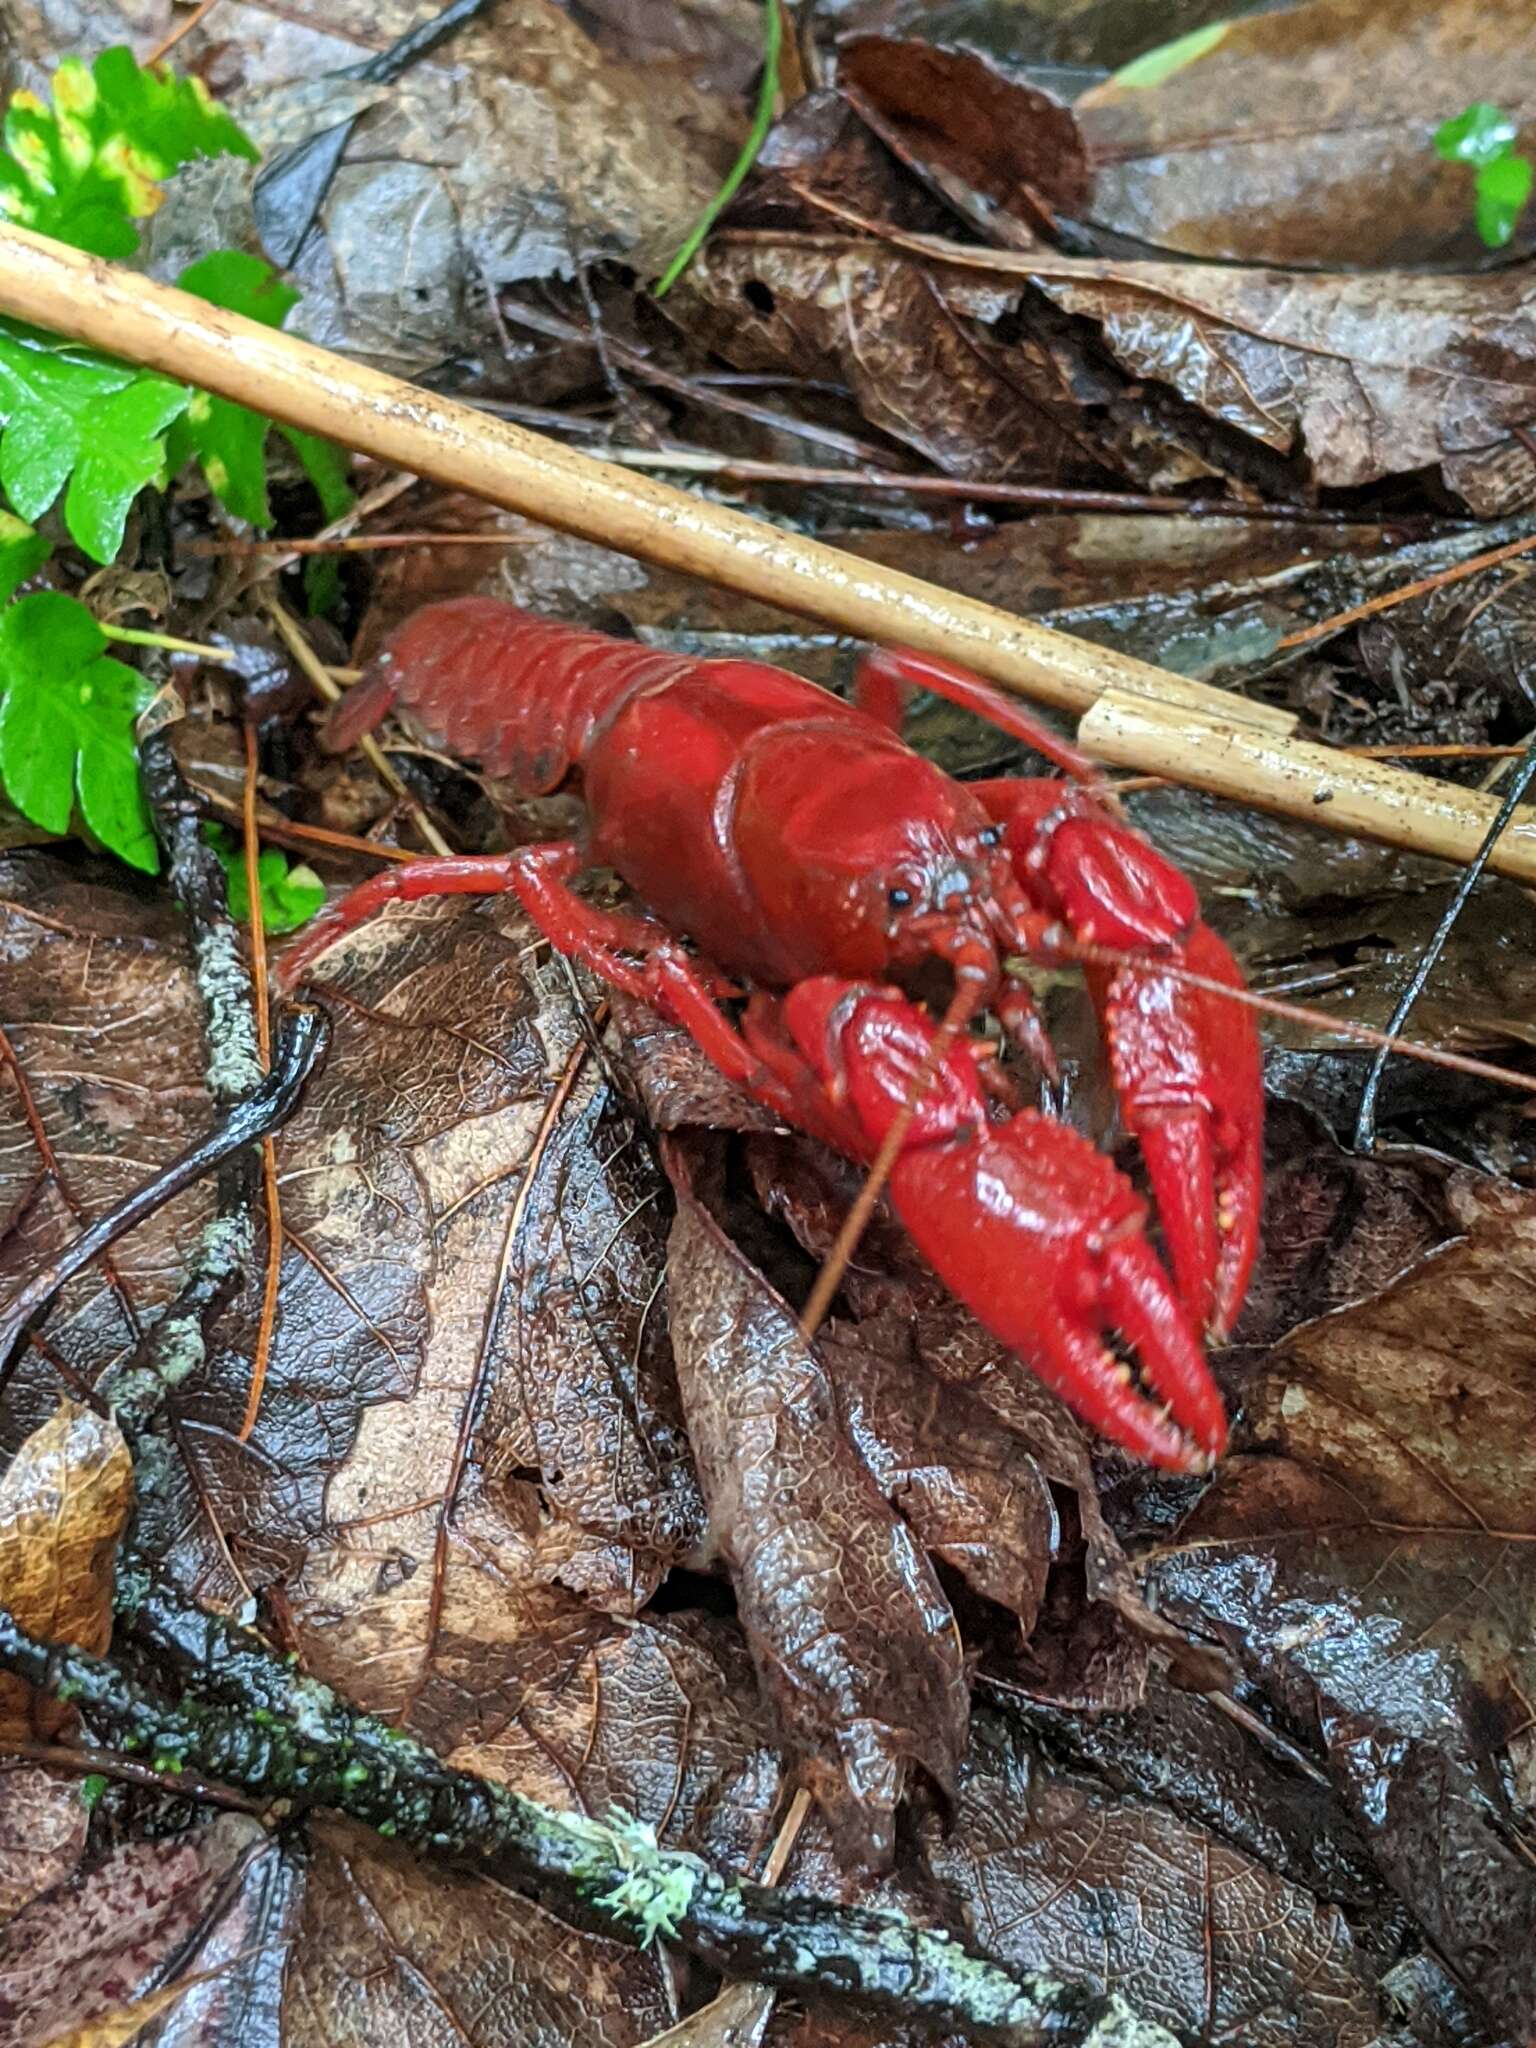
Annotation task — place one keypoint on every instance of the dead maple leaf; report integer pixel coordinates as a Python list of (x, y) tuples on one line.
[(65, 1499)]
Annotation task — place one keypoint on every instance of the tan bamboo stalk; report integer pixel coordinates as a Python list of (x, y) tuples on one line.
[(1304, 780), (1199, 735)]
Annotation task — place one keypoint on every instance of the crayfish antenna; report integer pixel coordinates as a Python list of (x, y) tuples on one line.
[(967, 999)]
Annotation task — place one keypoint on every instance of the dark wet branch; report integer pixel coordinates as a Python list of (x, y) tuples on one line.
[(299, 1045), (255, 1104), (197, 879), (252, 1722)]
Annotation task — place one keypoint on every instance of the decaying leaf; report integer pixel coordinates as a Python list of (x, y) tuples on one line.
[(127, 1919), (1195, 1933), (64, 1500), (982, 386), (854, 1642), (1305, 136), (431, 1194), (1375, 1577), (385, 1946), (100, 1009), (42, 1832)]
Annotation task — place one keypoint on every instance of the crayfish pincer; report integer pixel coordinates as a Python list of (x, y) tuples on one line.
[(803, 849)]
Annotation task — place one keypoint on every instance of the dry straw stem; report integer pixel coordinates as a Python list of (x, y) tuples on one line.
[(1149, 719)]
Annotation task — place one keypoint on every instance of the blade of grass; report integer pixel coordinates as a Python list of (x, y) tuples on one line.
[(762, 121)]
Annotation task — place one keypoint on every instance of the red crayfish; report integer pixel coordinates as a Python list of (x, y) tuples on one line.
[(803, 848)]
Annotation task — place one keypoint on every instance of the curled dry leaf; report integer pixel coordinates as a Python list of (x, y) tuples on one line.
[(1305, 137), (64, 1501), (855, 1646), (1369, 376), (966, 1486), (1375, 1578)]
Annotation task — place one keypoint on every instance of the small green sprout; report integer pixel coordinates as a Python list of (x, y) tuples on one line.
[(1482, 136)]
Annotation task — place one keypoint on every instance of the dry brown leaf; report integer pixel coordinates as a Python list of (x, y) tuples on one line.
[(856, 1649), (1306, 136), (64, 1502)]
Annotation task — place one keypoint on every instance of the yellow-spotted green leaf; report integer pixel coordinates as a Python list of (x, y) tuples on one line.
[(86, 168)]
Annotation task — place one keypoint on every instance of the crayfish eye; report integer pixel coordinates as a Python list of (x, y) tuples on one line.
[(991, 836), (899, 898)]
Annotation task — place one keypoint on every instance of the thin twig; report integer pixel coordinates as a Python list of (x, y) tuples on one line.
[(262, 1349), (1520, 782), (299, 647), (1388, 599), (172, 37), (1295, 1013), (111, 1763)]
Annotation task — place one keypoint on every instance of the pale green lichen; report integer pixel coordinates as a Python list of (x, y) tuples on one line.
[(234, 1058)]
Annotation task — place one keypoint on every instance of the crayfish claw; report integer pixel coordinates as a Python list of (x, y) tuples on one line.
[(1137, 1301), (1188, 1073)]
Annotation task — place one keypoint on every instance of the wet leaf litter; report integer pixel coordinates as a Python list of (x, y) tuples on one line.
[(542, 1469)]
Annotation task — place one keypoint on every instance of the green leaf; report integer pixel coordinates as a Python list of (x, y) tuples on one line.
[(290, 896), (67, 713), (327, 467), (86, 169), (79, 419), (1155, 65), (229, 440), (1501, 190), (22, 553), (1476, 135), (125, 451)]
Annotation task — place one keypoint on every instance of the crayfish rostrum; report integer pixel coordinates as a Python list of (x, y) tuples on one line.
[(804, 850)]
